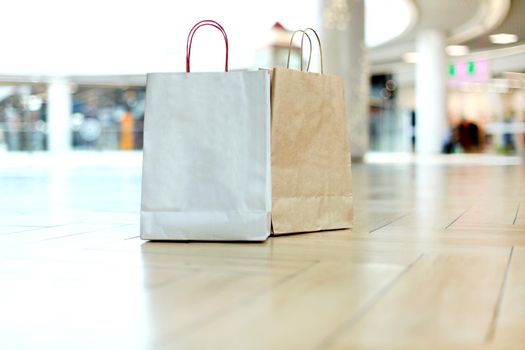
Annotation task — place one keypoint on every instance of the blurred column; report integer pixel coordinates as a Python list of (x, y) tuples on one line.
[(431, 90), (345, 54), (58, 115)]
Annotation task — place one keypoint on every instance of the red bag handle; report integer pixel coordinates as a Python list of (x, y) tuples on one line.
[(189, 41)]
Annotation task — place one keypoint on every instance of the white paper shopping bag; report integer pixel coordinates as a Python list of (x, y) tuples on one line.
[(206, 170)]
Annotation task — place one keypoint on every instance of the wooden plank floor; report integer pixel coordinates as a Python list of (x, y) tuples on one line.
[(436, 260)]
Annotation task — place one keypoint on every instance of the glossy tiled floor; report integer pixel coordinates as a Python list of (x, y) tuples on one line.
[(436, 261)]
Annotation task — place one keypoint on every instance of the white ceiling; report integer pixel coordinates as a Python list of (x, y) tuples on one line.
[(462, 21), (514, 23)]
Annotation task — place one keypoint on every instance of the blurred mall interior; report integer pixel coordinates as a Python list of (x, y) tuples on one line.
[(435, 99), (421, 76)]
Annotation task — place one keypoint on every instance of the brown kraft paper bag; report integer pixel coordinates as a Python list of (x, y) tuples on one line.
[(311, 162)]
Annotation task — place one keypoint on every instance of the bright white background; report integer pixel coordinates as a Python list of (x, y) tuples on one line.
[(54, 37)]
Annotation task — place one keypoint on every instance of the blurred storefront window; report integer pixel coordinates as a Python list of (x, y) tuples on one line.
[(106, 118), (390, 127), (102, 118), (23, 117)]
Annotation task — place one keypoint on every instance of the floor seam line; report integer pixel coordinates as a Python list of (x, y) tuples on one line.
[(388, 223), (78, 233), (456, 219), (185, 330), (516, 216), (131, 238), (499, 300), (349, 323)]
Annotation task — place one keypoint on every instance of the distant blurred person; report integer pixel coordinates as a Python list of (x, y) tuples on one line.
[(91, 128), (126, 131), (469, 136), (413, 121), (473, 130), (139, 133), (13, 129), (464, 134), (509, 145), (451, 141)]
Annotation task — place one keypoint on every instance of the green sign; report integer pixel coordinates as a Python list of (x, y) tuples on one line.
[(451, 70), (471, 68)]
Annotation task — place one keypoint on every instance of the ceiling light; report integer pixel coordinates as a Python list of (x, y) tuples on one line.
[(503, 38), (410, 57), (457, 50)]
